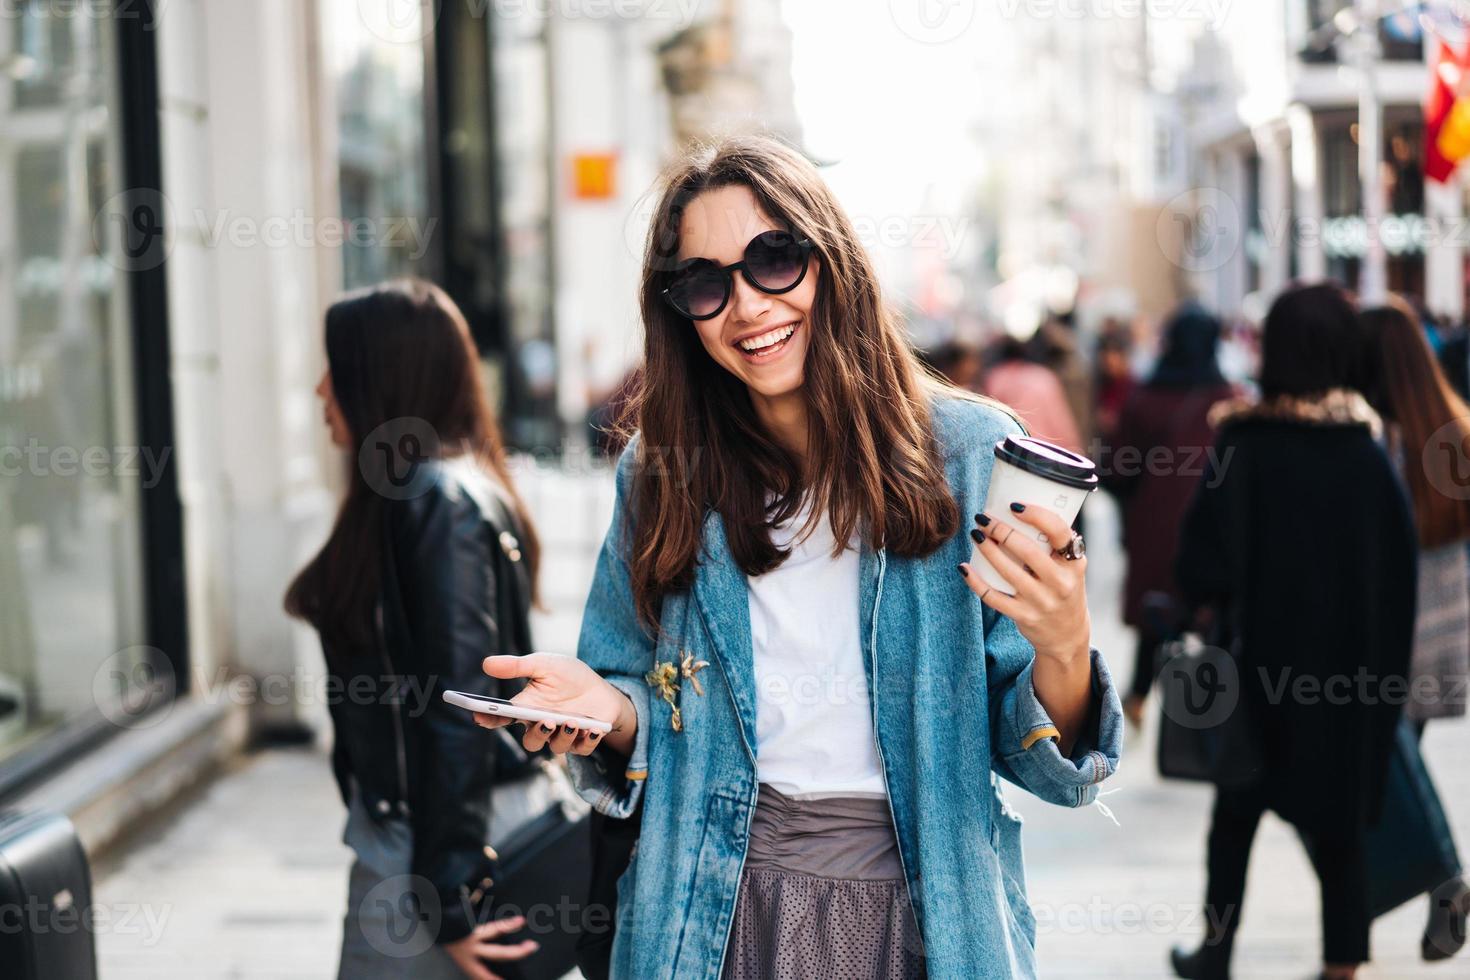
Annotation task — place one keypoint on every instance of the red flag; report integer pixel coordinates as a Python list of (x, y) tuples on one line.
[(1446, 71)]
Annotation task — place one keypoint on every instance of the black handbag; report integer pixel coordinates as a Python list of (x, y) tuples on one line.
[(45, 893), (1410, 851), (1206, 733), (613, 842), (543, 875)]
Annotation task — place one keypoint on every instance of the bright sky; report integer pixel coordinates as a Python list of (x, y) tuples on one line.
[(897, 113)]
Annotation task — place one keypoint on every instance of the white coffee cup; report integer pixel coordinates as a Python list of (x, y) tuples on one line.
[(1038, 474)]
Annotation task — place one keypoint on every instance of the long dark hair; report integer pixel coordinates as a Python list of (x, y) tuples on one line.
[(1188, 359), (404, 367), (1409, 388), (1312, 343), (874, 465)]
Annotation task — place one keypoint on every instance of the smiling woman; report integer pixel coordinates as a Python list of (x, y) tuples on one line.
[(808, 705)]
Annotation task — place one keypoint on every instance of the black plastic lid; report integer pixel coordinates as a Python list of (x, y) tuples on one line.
[(1048, 461)]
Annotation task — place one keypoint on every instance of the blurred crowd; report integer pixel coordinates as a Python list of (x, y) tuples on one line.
[(1295, 503)]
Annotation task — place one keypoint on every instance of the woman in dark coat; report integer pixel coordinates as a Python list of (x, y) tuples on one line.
[(430, 566), (1302, 543), (1156, 459)]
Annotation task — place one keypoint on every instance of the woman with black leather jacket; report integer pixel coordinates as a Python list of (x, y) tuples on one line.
[(430, 566)]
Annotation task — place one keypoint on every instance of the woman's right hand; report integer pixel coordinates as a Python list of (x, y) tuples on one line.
[(564, 685), (471, 952)]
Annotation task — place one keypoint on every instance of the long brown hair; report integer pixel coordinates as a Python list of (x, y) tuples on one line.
[(873, 465), (1409, 389), (406, 375)]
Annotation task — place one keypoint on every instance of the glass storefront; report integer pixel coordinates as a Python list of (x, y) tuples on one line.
[(522, 163), (70, 469), (375, 58)]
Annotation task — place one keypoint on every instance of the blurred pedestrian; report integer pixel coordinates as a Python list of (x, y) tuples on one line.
[(799, 821), (958, 361), (1033, 391), (1153, 466), (430, 565), (1300, 537), (1428, 432), (1055, 345), (1114, 380)]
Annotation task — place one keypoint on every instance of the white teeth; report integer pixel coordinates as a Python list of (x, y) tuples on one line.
[(768, 338)]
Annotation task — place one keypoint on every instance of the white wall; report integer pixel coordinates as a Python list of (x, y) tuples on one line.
[(607, 97), (237, 128)]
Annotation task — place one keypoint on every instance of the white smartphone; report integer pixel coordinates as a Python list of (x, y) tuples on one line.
[(505, 709)]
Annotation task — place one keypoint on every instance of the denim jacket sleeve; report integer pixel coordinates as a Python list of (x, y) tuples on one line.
[(618, 647), (1023, 741), (1024, 747)]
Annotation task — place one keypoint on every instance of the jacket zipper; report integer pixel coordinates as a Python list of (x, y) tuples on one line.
[(883, 762), (398, 739)]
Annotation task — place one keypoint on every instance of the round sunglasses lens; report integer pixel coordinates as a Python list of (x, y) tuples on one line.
[(700, 290), (775, 260)]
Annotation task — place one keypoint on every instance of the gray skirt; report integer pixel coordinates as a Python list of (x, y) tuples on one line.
[(823, 894)]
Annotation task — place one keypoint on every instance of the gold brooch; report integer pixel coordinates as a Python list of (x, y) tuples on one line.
[(664, 678), (690, 667)]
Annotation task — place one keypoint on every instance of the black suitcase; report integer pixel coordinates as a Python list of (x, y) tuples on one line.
[(45, 899)]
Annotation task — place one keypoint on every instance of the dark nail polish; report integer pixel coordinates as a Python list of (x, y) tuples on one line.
[(978, 536), (548, 729), (1018, 507), (964, 572), (982, 519), (570, 729)]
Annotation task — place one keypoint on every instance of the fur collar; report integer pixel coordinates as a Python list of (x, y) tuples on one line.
[(1340, 406)]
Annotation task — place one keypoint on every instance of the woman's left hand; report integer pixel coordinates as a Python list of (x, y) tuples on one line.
[(1050, 604)]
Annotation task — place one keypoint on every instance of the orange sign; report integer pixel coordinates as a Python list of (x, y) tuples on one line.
[(594, 176)]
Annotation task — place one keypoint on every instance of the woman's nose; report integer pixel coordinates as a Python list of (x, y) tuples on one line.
[(746, 302)]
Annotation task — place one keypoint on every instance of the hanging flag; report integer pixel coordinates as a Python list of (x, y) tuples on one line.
[(1446, 115)]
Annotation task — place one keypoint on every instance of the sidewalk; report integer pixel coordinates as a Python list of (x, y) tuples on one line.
[(248, 878)]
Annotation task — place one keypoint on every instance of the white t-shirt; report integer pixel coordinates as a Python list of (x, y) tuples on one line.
[(814, 717)]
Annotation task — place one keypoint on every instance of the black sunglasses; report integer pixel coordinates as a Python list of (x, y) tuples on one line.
[(775, 262)]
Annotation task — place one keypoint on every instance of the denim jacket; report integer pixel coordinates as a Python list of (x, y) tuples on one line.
[(953, 708)]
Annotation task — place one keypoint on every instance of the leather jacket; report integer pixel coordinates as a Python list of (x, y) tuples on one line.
[(454, 590)]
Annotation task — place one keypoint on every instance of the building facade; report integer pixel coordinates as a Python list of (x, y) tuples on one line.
[(185, 186), (1276, 193)]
